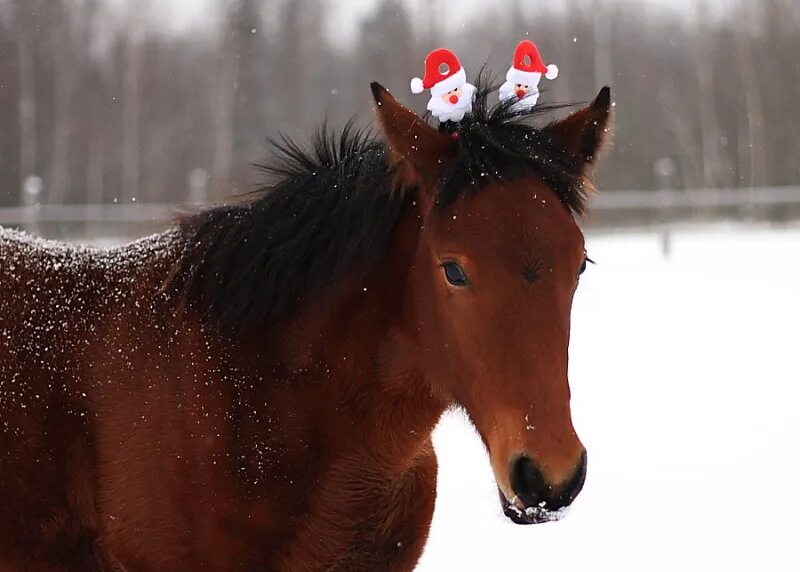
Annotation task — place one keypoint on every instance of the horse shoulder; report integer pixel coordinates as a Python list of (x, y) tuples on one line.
[(406, 529)]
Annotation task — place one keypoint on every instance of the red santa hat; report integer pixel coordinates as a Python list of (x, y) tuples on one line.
[(443, 73), (528, 64)]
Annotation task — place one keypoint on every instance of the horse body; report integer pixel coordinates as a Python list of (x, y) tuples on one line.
[(256, 388), (154, 462)]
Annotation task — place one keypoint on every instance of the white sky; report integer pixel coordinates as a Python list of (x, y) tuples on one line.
[(345, 14)]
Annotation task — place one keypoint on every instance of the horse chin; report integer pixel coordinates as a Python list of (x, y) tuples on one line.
[(531, 514)]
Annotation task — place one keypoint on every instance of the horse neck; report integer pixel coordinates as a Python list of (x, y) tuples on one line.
[(358, 362)]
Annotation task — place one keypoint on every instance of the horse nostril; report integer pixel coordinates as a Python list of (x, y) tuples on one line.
[(532, 489), (528, 482), (571, 489)]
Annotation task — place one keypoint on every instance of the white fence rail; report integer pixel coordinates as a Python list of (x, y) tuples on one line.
[(697, 198), (69, 214), (609, 209), (667, 207)]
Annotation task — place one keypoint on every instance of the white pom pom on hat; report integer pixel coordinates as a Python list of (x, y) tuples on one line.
[(416, 85), (552, 72)]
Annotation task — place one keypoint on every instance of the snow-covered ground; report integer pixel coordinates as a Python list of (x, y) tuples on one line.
[(685, 378)]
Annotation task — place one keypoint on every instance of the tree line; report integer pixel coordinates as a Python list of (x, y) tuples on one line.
[(105, 106)]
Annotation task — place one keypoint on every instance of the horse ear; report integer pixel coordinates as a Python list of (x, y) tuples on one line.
[(584, 133), (421, 152)]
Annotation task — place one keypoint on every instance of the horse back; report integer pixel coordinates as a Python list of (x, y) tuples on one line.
[(54, 302)]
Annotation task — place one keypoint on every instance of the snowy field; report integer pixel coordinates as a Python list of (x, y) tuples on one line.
[(685, 378)]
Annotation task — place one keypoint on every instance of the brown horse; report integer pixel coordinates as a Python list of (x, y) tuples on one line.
[(256, 388)]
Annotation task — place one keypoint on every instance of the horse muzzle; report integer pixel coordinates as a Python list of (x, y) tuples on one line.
[(536, 501)]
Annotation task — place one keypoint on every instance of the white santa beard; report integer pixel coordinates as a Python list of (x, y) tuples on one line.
[(446, 111), (529, 101), (506, 91), (509, 90)]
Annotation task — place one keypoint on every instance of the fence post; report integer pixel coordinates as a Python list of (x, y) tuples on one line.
[(664, 170), (198, 186), (31, 191)]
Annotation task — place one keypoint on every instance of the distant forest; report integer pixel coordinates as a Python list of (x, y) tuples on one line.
[(107, 108)]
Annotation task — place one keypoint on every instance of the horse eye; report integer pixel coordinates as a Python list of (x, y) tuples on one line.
[(583, 265), (455, 274)]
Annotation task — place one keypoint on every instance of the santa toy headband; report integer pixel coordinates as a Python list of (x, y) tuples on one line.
[(451, 95)]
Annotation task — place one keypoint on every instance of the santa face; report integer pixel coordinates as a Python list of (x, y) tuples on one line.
[(452, 97), (521, 90), (453, 105), (524, 95)]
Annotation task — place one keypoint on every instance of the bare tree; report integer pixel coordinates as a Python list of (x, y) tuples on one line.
[(754, 113), (386, 35), (709, 128), (132, 69), (226, 69), (64, 72), (25, 12), (603, 64), (239, 101)]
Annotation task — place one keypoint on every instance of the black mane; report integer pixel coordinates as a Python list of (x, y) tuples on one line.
[(497, 143), (332, 209)]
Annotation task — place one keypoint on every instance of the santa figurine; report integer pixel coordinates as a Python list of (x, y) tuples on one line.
[(451, 95), (522, 79)]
